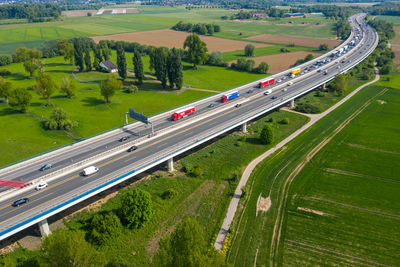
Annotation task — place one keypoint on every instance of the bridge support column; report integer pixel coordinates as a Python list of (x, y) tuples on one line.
[(244, 127), (44, 228), (170, 164), (324, 87), (291, 103)]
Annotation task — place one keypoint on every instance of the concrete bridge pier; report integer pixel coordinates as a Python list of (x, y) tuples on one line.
[(291, 103), (170, 164), (324, 87), (44, 228), (244, 127)]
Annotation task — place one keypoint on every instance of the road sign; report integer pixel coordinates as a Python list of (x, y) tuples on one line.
[(138, 116)]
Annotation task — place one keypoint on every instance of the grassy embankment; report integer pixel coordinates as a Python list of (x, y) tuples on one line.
[(342, 207)]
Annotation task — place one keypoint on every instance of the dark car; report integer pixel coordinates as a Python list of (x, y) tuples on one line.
[(45, 167), (122, 139), (273, 97), (211, 105), (20, 202), (250, 91), (132, 148)]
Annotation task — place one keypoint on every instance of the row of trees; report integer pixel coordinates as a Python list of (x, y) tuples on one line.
[(199, 28), (33, 12), (301, 61), (249, 66), (343, 29)]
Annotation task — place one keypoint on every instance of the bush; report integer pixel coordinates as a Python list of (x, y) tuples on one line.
[(131, 89), (5, 72), (270, 120), (284, 121), (103, 227), (168, 194), (5, 60), (59, 121), (267, 135), (320, 94), (307, 108), (249, 50), (136, 208), (284, 50), (262, 68)]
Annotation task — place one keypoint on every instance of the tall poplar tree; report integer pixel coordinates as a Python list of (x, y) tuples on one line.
[(138, 66), (160, 65), (121, 61), (78, 54), (174, 68)]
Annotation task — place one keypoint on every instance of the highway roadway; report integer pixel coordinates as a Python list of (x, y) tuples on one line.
[(206, 123)]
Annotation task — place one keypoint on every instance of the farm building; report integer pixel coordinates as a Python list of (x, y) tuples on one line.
[(108, 65)]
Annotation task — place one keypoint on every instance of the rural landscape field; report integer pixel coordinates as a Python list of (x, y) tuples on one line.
[(328, 197)]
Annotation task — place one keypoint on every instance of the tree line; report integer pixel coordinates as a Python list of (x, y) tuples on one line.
[(199, 28), (33, 12)]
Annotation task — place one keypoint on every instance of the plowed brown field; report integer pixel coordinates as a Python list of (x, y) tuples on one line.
[(281, 62), (297, 40), (170, 38)]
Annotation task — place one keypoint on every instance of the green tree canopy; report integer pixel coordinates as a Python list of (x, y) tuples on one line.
[(121, 61), (20, 99), (67, 87), (249, 50), (5, 89), (66, 49), (186, 246), (197, 49), (136, 208), (103, 227), (45, 86), (138, 66), (69, 248), (109, 86), (267, 135)]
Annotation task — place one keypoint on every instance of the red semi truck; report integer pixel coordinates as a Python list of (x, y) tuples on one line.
[(183, 113), (266, 82)]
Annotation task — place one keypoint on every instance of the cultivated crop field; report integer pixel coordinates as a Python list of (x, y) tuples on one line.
[(171, 38), (339, 207), (282, 61), (297, 40)]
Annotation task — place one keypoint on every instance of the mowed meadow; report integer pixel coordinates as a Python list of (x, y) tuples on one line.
[(341, 206)]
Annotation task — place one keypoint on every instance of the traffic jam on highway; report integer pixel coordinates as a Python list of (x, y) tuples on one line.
[(271, 82)]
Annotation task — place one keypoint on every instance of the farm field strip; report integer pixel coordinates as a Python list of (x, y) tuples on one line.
[(297, 40), (328, 211), (281, 61), (171, 38)]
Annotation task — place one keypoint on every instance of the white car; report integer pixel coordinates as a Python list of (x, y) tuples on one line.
[(41, 185)]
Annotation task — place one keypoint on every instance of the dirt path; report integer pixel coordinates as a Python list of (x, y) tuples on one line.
[(249, 169)]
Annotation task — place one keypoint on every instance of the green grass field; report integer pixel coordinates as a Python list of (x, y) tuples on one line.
[(392, 19), (342, 208)]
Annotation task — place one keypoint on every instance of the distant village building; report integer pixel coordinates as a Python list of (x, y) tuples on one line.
[(258, 15), (291, 15), (108, 65)]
